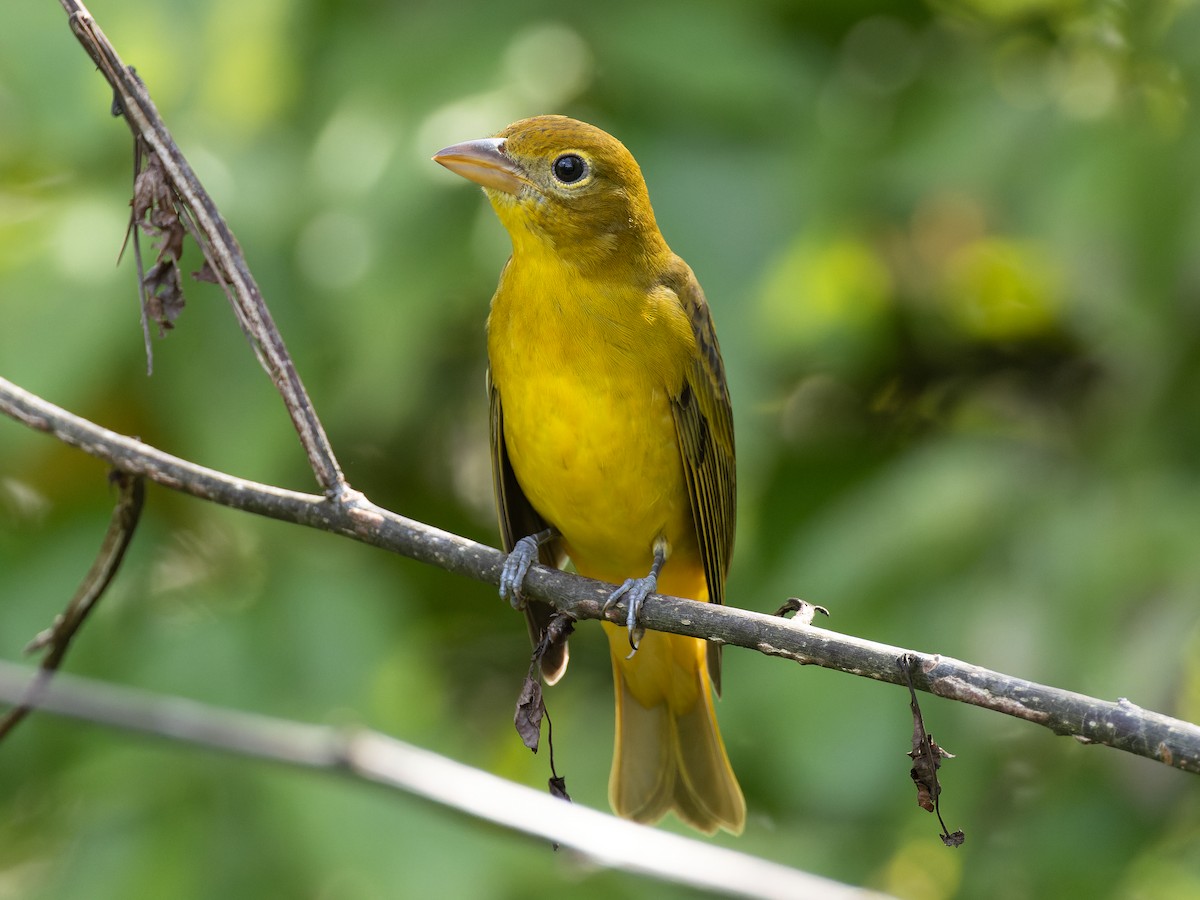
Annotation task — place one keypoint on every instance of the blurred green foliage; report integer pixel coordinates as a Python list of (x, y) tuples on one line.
[(951, 253)]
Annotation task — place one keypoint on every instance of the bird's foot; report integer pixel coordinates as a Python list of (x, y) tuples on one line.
[(635, 591), (523, 554)]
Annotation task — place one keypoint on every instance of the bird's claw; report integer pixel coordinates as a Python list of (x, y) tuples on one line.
[(516, 567), (635, 590)]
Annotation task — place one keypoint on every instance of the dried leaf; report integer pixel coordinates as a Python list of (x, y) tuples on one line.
[(558, 629), (156, 214), (953, 838), (558, 788), (531, 706), (148, 186), (927, 758), (164, 293), (528, 718)]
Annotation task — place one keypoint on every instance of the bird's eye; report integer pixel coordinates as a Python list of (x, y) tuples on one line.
[(569, 168)]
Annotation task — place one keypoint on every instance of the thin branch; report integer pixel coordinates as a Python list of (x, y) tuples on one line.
[(57, 638), (131, 236), (220, 248), (371, 756), (1119, 724)]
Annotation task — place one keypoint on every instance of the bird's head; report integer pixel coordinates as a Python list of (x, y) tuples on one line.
[(565, 186)]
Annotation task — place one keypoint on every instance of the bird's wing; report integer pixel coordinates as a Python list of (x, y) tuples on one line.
[(704, 429), (519, 519)]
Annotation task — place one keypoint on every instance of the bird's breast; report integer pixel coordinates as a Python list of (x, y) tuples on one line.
[(588, 423)]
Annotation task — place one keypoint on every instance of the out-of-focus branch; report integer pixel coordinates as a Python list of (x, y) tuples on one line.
[(371, 756), (220, 248), (1119, 724), (57, 638)]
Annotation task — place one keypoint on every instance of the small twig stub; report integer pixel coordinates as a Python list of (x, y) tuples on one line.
[(804, 612)]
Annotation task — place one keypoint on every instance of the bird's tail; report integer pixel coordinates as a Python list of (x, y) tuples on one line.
[(668, 753)]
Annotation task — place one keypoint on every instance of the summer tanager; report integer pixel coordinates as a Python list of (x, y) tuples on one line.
[(612, 439)]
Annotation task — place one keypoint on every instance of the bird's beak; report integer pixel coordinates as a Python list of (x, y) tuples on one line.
[(485, 163)]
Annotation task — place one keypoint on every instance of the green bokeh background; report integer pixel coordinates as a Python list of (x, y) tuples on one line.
[(952, 254)]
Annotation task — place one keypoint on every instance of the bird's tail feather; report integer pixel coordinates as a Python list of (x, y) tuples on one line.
[(668, 752)]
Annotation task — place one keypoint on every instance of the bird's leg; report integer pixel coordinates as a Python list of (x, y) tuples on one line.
[(516, 566), (637, 590)]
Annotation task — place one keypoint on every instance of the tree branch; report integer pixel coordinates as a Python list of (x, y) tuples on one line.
[(1119, 724), (370, 756), (57, 638), (217, 242)]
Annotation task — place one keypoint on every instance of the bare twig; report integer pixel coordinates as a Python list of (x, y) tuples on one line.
[(1121, 724), (368, 755), (221, 250), (131, 236), (57, 638)]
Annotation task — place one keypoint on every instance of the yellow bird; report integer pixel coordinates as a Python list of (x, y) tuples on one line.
[(612, 439)]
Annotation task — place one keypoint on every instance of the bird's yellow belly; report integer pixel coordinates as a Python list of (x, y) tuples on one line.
[(596, 455)]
